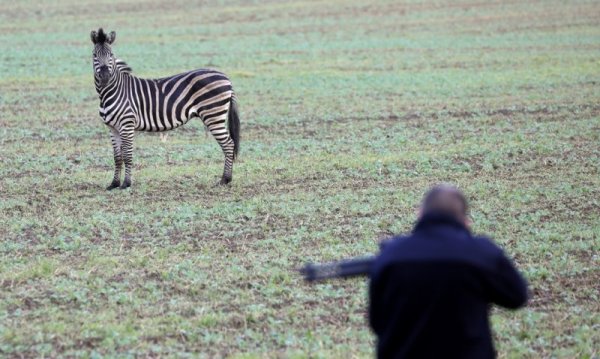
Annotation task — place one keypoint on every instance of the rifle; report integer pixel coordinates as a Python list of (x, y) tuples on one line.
[(342, 269), (347, 268)]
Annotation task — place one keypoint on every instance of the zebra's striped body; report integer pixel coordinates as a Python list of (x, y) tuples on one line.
[(129, 104)]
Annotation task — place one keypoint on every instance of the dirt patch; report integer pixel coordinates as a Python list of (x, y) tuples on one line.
[(566, 290)]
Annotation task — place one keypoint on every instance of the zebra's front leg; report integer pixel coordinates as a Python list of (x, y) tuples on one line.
[(115, 139), (126, 133)]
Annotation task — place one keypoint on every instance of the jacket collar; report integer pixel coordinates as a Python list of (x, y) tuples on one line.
[(436, 219)]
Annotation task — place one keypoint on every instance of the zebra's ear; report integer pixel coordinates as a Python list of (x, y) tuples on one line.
[(93, 36), (111, 37)]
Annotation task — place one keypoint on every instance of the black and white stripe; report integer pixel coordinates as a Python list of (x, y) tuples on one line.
[(129, 104)]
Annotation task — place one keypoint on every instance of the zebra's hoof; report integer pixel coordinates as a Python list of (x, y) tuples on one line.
[(224, 181), (113, 185), (126, 184)]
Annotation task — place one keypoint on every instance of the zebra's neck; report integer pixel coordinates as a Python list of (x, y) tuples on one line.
[(117, 78), (114, 96), (122, 66)]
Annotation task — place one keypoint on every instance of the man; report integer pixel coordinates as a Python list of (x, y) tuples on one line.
[(430, 291)]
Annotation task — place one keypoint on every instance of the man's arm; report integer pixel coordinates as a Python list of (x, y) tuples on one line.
[(506, 286)]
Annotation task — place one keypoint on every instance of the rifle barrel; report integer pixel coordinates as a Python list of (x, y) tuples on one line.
[(342, 269)]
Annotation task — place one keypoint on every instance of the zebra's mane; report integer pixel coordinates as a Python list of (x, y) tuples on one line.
[(123, 67), (101, 36)]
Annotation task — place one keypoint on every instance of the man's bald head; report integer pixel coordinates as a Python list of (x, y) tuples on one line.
[(446, 199)]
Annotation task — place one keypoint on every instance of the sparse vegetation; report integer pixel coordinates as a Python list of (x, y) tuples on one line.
[(350, 110)]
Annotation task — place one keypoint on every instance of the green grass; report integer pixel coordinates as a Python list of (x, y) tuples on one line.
[(350, 110)]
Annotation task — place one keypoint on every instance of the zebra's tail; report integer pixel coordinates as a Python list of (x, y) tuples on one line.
[(233, 123)]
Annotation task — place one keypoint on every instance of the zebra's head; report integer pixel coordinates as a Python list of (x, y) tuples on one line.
[(104, 60)]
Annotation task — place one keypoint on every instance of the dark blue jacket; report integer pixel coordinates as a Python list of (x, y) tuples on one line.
[(430, 292)]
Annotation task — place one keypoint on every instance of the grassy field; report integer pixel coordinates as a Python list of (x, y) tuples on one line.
[(350, 110)]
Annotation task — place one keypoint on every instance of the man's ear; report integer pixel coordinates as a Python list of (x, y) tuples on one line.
[(93, 36), (111, 37), (419, 212), (468, 222)]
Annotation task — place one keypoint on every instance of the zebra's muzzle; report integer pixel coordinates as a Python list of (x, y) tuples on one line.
[(104, 75)]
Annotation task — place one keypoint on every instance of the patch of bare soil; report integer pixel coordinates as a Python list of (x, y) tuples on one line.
[(592, 109), (309, 128), (566, 290)]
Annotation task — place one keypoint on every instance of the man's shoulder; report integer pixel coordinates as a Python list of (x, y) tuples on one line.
[(487, 245), (395, 241), (472, 250), (399, 244), (399, 248)]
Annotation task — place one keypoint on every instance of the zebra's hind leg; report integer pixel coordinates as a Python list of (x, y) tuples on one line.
[(115, 139), (216, 126)]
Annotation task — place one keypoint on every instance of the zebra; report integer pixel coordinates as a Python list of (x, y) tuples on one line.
[(129, 103)]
